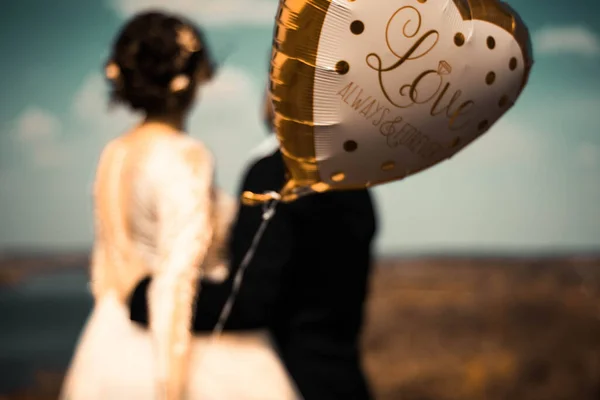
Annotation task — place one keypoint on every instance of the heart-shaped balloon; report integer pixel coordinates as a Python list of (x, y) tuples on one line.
[(368, 92)]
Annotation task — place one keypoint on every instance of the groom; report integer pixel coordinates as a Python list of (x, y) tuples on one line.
[(307, 282), (318, 314)]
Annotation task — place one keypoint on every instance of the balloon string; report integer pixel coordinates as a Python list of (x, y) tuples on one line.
[(268, 213)]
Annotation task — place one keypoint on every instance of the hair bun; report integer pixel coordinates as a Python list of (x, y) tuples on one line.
[(155, 56), (152, 52)]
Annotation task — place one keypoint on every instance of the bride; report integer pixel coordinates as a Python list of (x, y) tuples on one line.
[(158, 212)]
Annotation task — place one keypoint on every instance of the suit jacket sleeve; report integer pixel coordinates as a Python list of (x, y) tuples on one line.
[(262, 280)]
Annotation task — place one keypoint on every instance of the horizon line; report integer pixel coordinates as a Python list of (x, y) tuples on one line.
[(513, 253)]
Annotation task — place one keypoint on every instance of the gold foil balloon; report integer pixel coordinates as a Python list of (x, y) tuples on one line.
[(371, 91)]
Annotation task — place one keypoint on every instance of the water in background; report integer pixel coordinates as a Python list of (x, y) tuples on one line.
[(41, 319)]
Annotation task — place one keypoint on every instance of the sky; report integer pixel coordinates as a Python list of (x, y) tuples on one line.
[(531, 184)]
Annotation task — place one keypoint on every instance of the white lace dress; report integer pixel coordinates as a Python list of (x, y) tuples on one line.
[(156, 212)]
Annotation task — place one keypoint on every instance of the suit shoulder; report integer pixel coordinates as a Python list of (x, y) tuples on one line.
[(267, 173)]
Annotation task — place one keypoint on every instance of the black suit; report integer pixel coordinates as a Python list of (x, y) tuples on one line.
[(307, 283)]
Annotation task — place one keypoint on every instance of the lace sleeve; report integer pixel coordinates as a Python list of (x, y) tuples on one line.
[(99, 274), (183, 208), (98, 278)]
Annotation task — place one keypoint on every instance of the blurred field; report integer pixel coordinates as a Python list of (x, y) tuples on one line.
[(485, 329), (472, 329)]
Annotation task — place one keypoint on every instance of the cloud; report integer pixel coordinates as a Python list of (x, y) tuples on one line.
[(575, 39), (36, 125), (589, 154), (39, 131), (89, 102), (228, 118), (8, 178), (508, 141), (208, 12), (231, 84), (90, 107), (50, 156)]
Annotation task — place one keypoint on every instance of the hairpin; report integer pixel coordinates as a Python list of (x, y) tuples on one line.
[(187, 39), (112, 71), (179, 83)]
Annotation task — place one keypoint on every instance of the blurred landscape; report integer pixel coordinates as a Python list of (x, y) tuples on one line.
[(510, 329), (439, 328)]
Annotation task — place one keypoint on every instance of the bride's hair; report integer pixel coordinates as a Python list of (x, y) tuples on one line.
[(156, 63)]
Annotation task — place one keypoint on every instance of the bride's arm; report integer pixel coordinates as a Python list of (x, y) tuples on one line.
[(99, 279), (98, 273), (183, 205), (226, 208), (216, 264)]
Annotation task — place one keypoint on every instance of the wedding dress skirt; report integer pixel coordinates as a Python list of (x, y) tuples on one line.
[(114, 360)]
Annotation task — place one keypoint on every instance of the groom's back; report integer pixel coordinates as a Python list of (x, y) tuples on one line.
[(323, 290)]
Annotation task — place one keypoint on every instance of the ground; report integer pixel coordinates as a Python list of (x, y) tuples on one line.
[(485, 329), (472, 329)]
